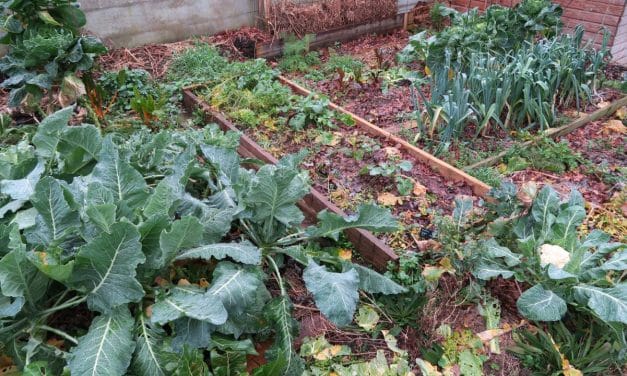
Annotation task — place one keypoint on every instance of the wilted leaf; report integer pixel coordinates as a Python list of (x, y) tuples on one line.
[(367, 318)]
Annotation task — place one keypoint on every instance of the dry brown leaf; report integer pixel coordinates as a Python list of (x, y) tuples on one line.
[(419, 189), (602, 104), (392, 152), (614, 126), (428, 245), (203, 283), (621, 113), (388, 199), (184, 282), (410, 124)]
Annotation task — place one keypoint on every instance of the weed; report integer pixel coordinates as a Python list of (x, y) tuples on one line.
[(296, 54), (489, 175), (199, 64), (544, 155)]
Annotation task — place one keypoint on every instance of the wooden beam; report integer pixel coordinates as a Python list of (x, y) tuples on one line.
[(557, 132), (369, 247), (330, 37), (478, 187)]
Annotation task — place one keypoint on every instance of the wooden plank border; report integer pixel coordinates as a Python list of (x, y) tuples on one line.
[(557, 132), (479, 188), (327, 38), (369, 246)]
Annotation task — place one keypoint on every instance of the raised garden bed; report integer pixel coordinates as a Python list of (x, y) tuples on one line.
[(372, 249), (389, 106), (343, 178)]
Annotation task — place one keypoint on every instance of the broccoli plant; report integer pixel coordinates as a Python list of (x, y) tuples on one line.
[(165, 245)]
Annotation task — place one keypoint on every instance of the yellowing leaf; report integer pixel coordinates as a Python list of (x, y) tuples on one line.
[(432, 273), (392, 343), (345, 254), (47, 18), (367, 318), (72, 88), (427, 368), (427, 71), (445, 263), (388, 199)]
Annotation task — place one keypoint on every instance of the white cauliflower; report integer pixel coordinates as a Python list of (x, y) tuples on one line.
[(553, 254)]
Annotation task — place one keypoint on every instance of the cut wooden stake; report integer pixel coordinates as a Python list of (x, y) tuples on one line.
[(478, 187), (369, 246), (557, 132)]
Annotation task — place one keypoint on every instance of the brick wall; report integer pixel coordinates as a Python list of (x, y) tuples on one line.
[(619, 48), (592, 14)]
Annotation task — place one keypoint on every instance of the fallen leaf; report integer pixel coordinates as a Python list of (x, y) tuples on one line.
[(184, 282), (614, 126), (203, 283), (410, 124), (392, 152), (428, 245), (5, 361), (602, 104), (388, 199), (419, 189), (621, 113)]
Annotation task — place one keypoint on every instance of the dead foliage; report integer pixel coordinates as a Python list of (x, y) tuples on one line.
[(290, 17), (153, 58), (241, 42)]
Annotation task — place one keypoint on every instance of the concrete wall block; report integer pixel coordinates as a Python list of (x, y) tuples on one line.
[(131, 23)]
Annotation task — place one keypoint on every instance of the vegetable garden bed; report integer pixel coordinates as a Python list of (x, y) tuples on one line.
[(362, 81), (341, 172), (371, 249)]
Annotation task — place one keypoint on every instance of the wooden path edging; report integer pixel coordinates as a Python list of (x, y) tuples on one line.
[(479, 188), (327, 38), (557, 132), (369, 246)]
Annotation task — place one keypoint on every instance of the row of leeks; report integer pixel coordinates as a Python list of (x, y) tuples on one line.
[(521, 90)]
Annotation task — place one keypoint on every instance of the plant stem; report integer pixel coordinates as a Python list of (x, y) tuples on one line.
[(277, 274), (58, 332), (70, 303)]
